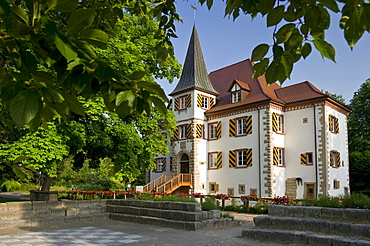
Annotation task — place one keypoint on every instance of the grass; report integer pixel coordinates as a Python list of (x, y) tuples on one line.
[(4, 199)]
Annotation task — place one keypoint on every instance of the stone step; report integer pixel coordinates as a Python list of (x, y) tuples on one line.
[(184, 225), (301, 237)]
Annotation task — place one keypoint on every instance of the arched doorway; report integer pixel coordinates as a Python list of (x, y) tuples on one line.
[(184, 164)]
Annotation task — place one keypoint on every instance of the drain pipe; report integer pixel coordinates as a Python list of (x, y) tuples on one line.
[(316, 157), (259, 152)]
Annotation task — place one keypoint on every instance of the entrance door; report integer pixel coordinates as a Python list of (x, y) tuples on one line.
[(310, 190), (184, 164)]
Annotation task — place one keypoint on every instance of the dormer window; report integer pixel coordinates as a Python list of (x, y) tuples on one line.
[(236, 93)]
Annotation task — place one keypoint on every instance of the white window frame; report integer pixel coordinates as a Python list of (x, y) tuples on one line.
[(241, 128), (212, 131), (159, 165), (309, 158), (182, 132), (182, 102), (236, 94), (281, 157), (205, 102), (241, 158), (280, 121), (212, 160)]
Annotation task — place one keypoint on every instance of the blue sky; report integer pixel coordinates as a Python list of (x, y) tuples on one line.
[(225, 42)]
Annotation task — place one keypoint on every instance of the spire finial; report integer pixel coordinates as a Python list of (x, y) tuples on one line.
[(195, 10)]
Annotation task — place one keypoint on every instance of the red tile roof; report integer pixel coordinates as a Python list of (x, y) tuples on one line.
[(299, 92)]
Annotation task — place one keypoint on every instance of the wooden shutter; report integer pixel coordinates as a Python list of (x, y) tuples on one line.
[(199, 133), (219, 160), (275, 156), (338, 160), (211, 102), (177, 102), (176, 134), (164, 164), (171, 164), (331, 127), (216, 187), (232, 158), (249, 157), (248, 124), (274, 122), (218, 130), (304, 159), (232, 127), (188, 100), (199, 100), (336, 125), (331, 158), (189, 131)]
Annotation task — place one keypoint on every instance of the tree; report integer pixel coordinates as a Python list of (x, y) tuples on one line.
[(47, 57), (359, 138), (336, 97), (297, 26)]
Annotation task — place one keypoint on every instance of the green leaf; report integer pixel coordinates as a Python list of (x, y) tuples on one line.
[(275, 72), (153, 88), (313, 18), (306, 50), (63, 5), (287, 60), (325, 49), (4, 8), (290, 15), (19, 172), (275, 16), (331, 4), (65, 48), (18, 11), (137, 75), (159, 105), (265, 6), (24, 107), (277, 51), (284, 33), (80, 20), (42, 76), (209, 4), (21, 158), (259, 52), (260, 68), (95, 37), (73, 104), (125, 96)]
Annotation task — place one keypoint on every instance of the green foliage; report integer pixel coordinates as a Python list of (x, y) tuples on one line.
[(359, 171), (209, 204), (356, 200), (48, 57), (259, 208), (322, 201), (165, 197), (11, 185), (235, 208), (336, 97), (297, 27), (223, 215)]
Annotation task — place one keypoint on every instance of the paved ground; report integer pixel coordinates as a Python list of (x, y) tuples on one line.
[(14, 195), (111, 232)]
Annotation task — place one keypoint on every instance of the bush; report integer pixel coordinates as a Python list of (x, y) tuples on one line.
[(209, 204), (259, 208), (11, 185), (236, 208), (356, 200)]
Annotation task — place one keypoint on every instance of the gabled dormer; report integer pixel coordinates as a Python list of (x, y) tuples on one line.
[(238, 91)]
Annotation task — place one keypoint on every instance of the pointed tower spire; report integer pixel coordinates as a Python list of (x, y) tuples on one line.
[(194, 73)]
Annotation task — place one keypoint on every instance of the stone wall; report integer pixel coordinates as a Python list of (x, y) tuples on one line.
[(37, 213)]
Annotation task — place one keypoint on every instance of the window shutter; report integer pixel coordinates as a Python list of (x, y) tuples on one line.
[(232, 127), (274, 122), (171, 164), (164, 164), (275, 156), (331, 158), (199, 132), (211, 102), (336, 122), (189, 131), (188, 100), (199, 100), (218, 130), (177, 102), (232, 158), (248, 124), (176, 134), (219, 160), (338, 160), (216, 187), (303, 159), (249, 157), (330, 123)]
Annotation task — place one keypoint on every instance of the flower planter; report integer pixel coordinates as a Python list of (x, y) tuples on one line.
[(36, 195)]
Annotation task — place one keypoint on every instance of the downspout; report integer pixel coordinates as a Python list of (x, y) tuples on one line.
[(316, 157), (259, 152)]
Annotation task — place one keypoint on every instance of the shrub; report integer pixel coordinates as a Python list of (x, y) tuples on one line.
[(259, 208), (209, 204), (11, 185), (235, 208), (356, 200), (227, 216)]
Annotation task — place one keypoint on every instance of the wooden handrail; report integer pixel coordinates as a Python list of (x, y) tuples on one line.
[(158, 181), (183, 179)]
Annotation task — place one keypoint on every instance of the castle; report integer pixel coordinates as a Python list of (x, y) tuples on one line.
[(235, 135)]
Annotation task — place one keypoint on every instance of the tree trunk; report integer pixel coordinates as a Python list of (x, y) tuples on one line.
[(47, 184)]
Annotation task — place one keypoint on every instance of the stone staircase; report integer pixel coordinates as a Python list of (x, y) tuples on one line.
[(312, 226), (179, 215)]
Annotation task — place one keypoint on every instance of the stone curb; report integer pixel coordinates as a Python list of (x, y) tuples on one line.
[(300, 237)]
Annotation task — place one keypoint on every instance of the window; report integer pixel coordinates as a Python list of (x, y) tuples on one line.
[(230, 191), (205, 102), (242, 158), (182, 102), (212, 159), (160, 165), (278, 156), (307, 158), (241, 127), (182, 131), (333, 124), (253, 191), (241, 188), (213, 187), (335, 159), (212, 131), (277, 123), (336, 184), (236, 94)]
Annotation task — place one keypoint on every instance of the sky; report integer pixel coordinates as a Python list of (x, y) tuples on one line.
[(225, 42)]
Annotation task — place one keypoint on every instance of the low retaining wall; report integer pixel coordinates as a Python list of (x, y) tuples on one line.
[(320, 212), (37, 213)]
